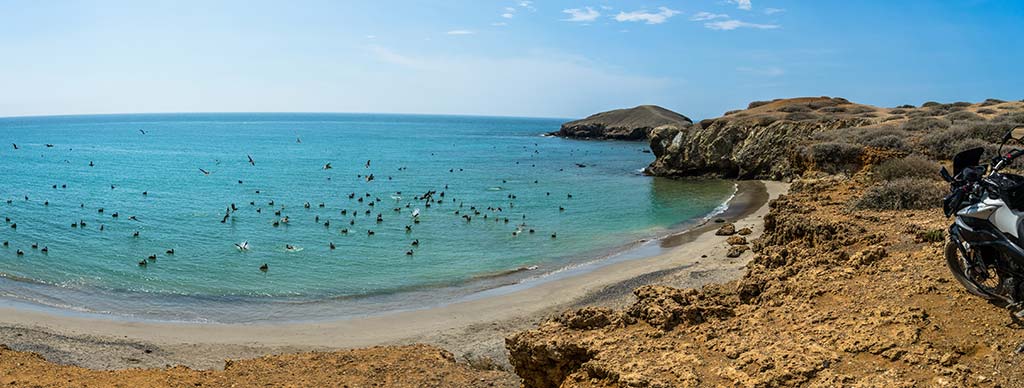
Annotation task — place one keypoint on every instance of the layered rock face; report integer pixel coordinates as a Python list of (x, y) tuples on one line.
[(763, 141), (624, 124)]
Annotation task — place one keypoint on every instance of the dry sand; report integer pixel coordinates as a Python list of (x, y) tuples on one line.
[(470, 328)]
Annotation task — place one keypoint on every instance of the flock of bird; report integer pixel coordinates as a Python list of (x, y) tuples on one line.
[(365, 203)]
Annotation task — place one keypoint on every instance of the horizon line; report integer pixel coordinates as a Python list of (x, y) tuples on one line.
[(281, 112)]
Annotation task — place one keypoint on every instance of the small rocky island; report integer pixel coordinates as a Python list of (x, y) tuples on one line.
[(623, 124)]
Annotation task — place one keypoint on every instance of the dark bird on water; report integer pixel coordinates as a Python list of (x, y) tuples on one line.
[(16, 147), (142, 132), (208, 173), (264, 267), (170, 251)]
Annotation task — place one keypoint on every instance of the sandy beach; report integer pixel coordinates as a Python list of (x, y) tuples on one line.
[(470, 328)]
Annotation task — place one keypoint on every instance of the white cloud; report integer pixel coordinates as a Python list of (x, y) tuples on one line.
[(767, 71), (728, 25), (585, 14), (742, 4), (527, 4), (702, 16), (772, 11), (499, 24), (371, 37), (508, 15), (460, 32), (647, 17)]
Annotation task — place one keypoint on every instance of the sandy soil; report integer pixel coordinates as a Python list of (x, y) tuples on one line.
[(473, 330)]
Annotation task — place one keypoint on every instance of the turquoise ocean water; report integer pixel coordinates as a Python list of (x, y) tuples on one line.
[(480, 164)]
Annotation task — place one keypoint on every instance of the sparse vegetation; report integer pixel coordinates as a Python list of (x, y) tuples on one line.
[(913, 166), (801, 116), (902, 194), (963, 116), (986, 111), (756, 104), (897, 111), (930, 104), (992, 101), (834, 157), (920, 124)]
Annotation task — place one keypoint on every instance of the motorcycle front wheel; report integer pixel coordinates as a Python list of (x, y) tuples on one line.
[(955, 261)]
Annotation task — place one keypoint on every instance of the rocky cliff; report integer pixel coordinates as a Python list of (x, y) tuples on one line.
[(763, 141), (624, 124)]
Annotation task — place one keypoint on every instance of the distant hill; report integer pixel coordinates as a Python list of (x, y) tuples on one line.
[(623, 124)]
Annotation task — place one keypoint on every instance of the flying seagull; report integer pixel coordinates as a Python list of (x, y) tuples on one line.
[(15, 145), (252, 162), (142, 131), (204, 172), (327, 166)]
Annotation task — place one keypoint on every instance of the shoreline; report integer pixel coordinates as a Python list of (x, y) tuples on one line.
[(476, 325), (39, 296)]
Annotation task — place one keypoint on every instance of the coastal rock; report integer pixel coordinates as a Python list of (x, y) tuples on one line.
[(737, 250), (726, 230), (765, 141), (624, 124), (737, 240), (744, 231)]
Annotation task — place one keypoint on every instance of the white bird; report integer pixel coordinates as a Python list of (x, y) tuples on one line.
[(416, 213), (243, 246)]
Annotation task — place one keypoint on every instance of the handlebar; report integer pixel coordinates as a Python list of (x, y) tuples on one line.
[(1002, 161)]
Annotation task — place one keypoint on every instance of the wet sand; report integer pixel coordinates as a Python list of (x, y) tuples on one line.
[(469, 328)]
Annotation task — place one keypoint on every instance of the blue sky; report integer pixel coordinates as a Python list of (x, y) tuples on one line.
[(519, 58)]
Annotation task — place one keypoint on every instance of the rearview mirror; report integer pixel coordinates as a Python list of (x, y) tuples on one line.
[(1015, 134)]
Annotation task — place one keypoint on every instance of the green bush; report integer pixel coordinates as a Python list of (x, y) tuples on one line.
[(902, 194), (909, 167), (917, 124), (930, 104), (834, 157), (907, 106)]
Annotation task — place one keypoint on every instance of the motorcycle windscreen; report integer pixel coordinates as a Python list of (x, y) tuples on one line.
[(967, 158)]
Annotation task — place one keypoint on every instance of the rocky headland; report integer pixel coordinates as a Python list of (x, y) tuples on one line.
[(624, 124)]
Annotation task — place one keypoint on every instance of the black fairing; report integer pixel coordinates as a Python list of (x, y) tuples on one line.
[(967, 158)]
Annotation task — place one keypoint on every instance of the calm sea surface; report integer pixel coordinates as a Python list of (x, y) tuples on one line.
[(482, 171)]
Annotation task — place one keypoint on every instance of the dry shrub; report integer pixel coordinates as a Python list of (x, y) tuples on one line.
[(833, 109), (902, 194), (859, 109), (792, 108), (992, 101), (930, 104), (986, 111), (897, 111), (913, 166), (826, 103), (917, 124), (907, 106), (756, 104), (801, 116), (834, 157), (888, 142), (891, 118), (963, 116)]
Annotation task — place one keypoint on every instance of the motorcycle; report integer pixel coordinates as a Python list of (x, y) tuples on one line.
[(984, 250)]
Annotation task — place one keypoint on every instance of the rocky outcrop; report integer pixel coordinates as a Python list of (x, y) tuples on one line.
[(830, 298), (624, 124), (761, 142)]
